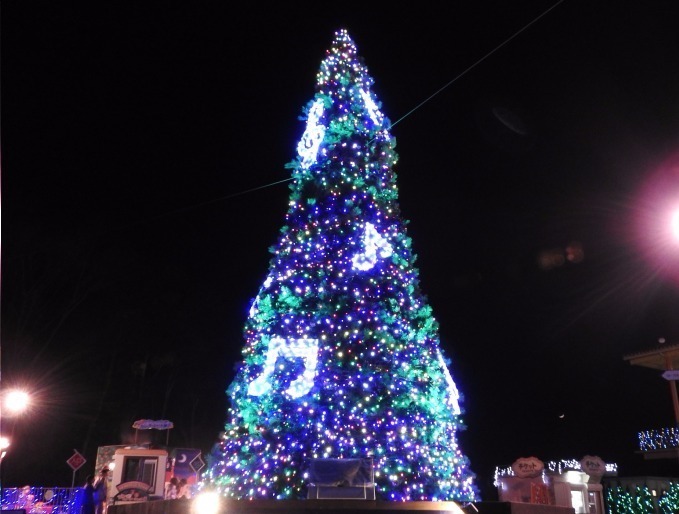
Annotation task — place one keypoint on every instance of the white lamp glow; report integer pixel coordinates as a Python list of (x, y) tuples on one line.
[(17, 401), (206, 503), (675, 225)]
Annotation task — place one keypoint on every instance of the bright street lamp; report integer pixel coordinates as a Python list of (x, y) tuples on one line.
[(14, 403), (654, 219), (17, 401)]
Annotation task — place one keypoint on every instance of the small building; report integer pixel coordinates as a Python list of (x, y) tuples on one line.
[(138, 475), (574, 484)]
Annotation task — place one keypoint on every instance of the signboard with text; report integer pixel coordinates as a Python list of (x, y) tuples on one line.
[(593, 465), (528, 467)]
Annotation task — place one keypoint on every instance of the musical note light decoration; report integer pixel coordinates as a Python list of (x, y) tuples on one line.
[(342, 355)]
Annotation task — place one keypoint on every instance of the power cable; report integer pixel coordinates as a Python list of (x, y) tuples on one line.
[(418, 106), (445, 86)]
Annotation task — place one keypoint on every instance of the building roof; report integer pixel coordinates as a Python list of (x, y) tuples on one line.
[(663, 357)]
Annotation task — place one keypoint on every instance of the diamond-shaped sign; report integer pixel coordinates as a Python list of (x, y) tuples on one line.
[(197, 464), (76, 461)]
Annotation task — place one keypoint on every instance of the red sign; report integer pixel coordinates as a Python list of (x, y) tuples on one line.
[(76, 461)]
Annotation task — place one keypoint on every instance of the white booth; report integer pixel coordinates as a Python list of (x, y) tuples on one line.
[(575, 484)]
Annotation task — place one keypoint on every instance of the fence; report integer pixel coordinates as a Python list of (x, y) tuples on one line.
[(42, 500)]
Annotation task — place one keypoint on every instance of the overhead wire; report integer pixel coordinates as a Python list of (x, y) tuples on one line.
[(407, 114), (474, 65)]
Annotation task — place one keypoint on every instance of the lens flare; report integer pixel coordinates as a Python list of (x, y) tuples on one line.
[(657, 218)]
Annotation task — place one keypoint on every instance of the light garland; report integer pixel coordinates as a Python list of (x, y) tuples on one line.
[(554, 467), (659, 439), (453, 394), (374, 246), (305, 349), (377, 117), (313, 135)]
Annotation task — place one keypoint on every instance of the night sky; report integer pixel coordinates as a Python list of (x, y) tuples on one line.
[(143, 182)]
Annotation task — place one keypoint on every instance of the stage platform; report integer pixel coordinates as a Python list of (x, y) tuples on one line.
[(339, 507)]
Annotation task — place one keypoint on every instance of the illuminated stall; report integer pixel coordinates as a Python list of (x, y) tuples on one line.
[(575, 484)]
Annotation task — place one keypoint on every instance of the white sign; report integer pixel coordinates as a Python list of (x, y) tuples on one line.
[(528, 467), (593, 465), (671, 374), (149, 424)]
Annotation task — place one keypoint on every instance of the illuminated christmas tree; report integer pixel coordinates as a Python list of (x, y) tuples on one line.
[(342, 357)]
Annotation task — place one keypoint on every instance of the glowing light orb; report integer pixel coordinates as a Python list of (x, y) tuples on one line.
[(655, 218), (17, 401), (206, 503)]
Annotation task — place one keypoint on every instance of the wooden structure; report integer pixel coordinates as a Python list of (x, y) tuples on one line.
[(339, 507), (664, 358)]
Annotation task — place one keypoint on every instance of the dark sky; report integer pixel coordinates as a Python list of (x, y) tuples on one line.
[(143, 181)]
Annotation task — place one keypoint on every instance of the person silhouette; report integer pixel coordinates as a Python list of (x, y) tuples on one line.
[(171, 489), (100, 491), (183, 490), (26, 499), (89, 498)]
